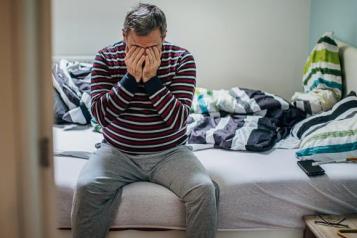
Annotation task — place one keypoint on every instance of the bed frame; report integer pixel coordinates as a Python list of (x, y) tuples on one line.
[(348, 56)]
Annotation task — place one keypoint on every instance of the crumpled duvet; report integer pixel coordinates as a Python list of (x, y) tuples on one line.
[(240, 119)]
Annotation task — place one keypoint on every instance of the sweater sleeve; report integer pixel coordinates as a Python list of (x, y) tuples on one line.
[(109, 97), (173, 103)]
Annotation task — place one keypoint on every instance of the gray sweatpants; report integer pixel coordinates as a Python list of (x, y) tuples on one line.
[(101, 181)]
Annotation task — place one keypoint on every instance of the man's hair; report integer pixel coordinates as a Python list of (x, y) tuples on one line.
[(145, 18)]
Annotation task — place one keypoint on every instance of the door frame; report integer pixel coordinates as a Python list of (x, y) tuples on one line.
[(27, 119)]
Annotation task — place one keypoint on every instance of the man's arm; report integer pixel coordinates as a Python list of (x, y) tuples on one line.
[(109, 97), (174, 105)]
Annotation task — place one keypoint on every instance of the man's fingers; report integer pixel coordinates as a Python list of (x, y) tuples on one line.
[(151, 56), (138, 56), (130, 51), (135, 53), (157, 53), (140, 62)]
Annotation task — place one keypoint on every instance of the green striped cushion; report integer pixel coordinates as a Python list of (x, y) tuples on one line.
[(322, 69), (334, 142)]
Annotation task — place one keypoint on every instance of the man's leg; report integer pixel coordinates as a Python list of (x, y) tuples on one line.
[(184, 174), (98, 191)]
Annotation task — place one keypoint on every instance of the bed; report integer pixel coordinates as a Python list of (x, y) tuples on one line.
[(261, 193)]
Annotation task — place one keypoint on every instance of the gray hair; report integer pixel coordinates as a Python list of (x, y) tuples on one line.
[(144, 18)]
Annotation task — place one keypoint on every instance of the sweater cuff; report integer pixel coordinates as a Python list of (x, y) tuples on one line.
[(129, 83), (153, 85)]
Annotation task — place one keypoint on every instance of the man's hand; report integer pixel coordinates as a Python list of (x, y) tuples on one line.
[(134, 59), (152, 63)]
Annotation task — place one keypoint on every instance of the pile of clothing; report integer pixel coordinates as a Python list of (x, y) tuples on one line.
[(71, 97)]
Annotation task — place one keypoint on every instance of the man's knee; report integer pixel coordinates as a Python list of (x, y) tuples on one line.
[(87, 185), (204, 190)]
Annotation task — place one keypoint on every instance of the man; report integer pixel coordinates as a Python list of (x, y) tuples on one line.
[(142, 90)]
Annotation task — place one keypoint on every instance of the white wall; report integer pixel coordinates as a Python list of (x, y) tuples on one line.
[(248, 43)]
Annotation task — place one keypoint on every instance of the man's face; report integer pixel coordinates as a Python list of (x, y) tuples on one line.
[(153, 39)]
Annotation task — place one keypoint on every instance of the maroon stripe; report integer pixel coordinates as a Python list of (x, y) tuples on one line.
[(151, 142), (140, 133)]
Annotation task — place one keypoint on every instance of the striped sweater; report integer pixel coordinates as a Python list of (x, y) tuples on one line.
[(142, 118)]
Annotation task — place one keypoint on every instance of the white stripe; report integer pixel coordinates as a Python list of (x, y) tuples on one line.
[(114, 103), (141, 131), (99, 62), (102, 83), (244, 97), (141, 108), (188, 69), (184, 77), (297, 126), (221, 124), (160, 100), (155, 94), (113, 53), (182, 92), (136, 123), (166, 75), (175, 120), (318, 65), (145, 139), (118, 95), (242, 134), (100, 76), (182, 84), (99, 69), (166, 105), (325, 46), (141, 102), (187, 62), (116, 67), (124, 89), (175, 51), (170, 58), (140, 115), (143, 146), (99, 90)]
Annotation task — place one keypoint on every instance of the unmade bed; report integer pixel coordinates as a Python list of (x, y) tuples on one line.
[(259, 192)]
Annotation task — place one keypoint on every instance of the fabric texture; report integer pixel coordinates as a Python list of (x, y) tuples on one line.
[(142, 118), (322, 78), (336, 141), (345, 108), (101, 181), (240, 119), (71, 97)]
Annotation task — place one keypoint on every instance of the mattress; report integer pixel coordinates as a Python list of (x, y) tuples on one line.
[(258, 190)]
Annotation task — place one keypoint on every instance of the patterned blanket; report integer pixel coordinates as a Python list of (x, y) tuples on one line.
[(240, 119), (71, 82)]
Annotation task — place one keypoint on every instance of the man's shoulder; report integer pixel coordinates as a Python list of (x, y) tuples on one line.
[(116, 50), (173, 51)]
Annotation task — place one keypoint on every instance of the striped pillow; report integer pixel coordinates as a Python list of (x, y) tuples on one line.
[(344, 109), (322, 79), (334, 142), (322, 69)]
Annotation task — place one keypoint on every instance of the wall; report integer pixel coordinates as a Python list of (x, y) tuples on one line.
[(249, 43), (337, 16)]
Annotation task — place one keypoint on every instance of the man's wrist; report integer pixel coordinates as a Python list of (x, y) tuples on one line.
[(129, 83), (153, 85)]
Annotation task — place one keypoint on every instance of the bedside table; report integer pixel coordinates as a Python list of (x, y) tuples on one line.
[(320, 229)]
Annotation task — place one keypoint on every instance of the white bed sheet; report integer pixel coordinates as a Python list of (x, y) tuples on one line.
[(258, 190)]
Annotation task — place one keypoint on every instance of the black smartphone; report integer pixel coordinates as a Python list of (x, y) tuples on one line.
[(309, 169)]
